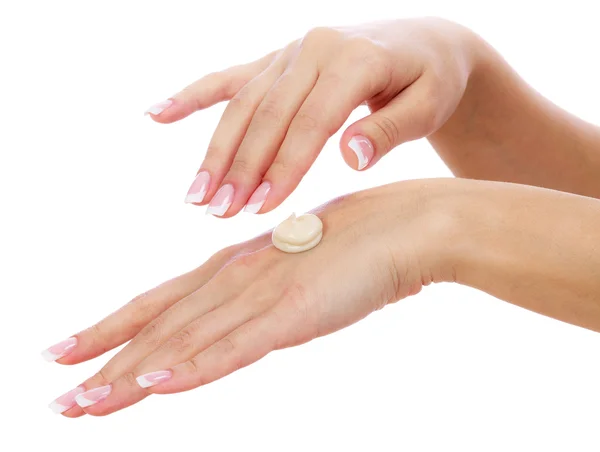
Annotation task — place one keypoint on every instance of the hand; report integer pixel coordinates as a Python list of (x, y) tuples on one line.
[(379, 246), (284, 107)]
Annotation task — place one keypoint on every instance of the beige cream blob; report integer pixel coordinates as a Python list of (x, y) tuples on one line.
[(297, 234)]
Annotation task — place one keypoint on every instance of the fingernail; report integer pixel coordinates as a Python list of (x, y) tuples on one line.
[(66, 401), (258, 198), (221, 201), (93, 396), (158, 108), (198, 188), (60, 350), (154, 378), (363, 149)]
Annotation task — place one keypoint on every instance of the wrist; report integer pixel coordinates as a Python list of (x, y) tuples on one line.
[(420, 225), (529, 246), (487, 81)]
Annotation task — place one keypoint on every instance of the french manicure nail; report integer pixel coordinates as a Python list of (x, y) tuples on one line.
[(154, 378), (60, 350), (221, 201), (66, 401), (363, 149), (93, 396), (258, 198), (158, 108), (198, 188)]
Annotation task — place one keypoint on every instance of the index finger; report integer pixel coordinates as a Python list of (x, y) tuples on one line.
[(208, 90)]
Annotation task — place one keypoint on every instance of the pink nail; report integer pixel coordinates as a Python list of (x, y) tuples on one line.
[(221, 201), (258, 198), (154, 378), (66, 401), (158, 108), (363, 149), (93, 396), (60, 350), (199, 188)]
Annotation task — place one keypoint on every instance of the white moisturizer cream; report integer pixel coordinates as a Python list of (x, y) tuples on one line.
[(297, 234)]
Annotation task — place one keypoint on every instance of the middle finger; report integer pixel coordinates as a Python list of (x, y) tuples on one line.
[(266, 132)]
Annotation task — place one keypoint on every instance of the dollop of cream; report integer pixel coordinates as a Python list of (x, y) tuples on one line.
[(297, 234)]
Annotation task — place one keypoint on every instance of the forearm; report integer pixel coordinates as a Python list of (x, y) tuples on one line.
[(536, 248), (504, 130)]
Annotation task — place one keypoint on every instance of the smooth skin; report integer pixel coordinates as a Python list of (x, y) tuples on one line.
[(284, 107), (379, 246), (537, 248)]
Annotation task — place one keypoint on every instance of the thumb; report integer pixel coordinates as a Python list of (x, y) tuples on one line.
[(409, 116), (209, 90)]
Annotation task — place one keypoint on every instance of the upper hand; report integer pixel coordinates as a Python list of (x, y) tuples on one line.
[(285, 106)]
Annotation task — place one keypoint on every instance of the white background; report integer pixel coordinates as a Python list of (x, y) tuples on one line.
[(92, 213)]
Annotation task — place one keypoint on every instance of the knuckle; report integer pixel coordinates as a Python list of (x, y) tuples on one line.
[(318, 35), (307, 122), (388, 130), (361, 46), (129, 379), (98, 337), (214, 154), (370, 58), (269, 113), (332, 78), (241, 102), (244, 261), (180, 342), (193, 366), (224, 255), (230, 350), (227, 346), (428, 118), (286, 167), (139, 306), (151, 334), (103, 376), (241, 165)]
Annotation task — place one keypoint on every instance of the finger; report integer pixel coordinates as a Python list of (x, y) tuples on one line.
[(267, 131), (122, 325), (116, 375), (242, 347), (229, 134), (100, 385), (337, 92), (413, 114), (181, 346), (208, 90)]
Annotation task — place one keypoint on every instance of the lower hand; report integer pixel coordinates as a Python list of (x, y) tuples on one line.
[(379, 246)]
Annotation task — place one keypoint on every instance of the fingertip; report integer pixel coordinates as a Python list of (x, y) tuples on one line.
[(60, 350), (256, 202), (170, 110), (155, 110), (357, 149), (73, 412)]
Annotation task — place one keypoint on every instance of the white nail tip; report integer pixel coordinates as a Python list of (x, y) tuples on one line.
[(49, 356), (83, 402), (362, 158), (218, 210), (144, 383), (58, 408), (158, 108), (253, 208), (192, 198), (225, 193)]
